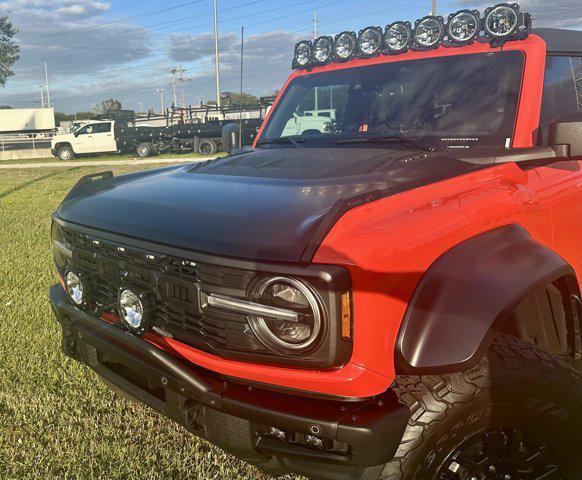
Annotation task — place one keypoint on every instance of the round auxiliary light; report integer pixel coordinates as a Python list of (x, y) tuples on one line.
[(501, 20), (345, 45), (397, 37), (75, 288), (323, 49), (370, 41), (463, 26), (289, 295), (131, 309), (303, 51), (429, 32)]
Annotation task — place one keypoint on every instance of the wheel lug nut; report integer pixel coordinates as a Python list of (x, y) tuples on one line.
[(492, 469)]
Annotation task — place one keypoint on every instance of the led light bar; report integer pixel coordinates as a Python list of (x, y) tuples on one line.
[(500, 23)]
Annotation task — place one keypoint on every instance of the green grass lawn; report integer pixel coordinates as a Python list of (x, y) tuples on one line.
[(57, 420)]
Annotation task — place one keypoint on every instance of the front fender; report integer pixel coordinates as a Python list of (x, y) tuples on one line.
[(467, 294)]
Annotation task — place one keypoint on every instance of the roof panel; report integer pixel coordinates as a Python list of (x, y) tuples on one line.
[(561, 41)]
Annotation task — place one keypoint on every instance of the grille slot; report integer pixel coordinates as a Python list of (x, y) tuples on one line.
[(173, 285)]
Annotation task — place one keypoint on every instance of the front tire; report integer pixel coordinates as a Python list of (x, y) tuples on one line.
[(66, 153), (516, 416)]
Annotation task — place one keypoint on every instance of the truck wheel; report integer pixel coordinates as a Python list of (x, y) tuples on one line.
[(144, 150), (207, 147), (66, 153), (515, 416)]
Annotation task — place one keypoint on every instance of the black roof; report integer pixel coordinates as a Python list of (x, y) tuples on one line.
[(561, 41)]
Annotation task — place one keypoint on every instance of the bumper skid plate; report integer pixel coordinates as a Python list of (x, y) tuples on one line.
[(275, 431)]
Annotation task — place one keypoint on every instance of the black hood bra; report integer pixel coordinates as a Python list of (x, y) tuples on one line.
[(267, 204)]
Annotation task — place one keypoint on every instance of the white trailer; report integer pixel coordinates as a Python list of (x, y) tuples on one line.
[(26, 120)]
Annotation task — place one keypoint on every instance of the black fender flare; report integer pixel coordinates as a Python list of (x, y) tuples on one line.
[(467, 295)]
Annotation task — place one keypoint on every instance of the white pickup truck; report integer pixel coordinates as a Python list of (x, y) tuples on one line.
[(94, 137)]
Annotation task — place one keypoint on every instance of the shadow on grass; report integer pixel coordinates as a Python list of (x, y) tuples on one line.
[(33, 181)]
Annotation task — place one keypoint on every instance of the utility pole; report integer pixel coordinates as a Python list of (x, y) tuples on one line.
[(316, 93), (181, 71), (434, 7), (173, 71), (46, 82), (216, 57), (42, 87), (161, 92), (242, 54)]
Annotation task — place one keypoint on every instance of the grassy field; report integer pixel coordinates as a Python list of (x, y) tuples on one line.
[(57, 420), (105, 157)]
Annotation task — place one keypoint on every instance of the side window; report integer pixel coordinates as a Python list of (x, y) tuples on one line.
[(86, 130), (102, 128), (562, 90)]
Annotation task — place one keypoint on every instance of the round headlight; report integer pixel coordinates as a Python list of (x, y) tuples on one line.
[(345, 45), (282, 334), (370, 41), (74, 288), (323, 49), (131, 309), (429, 32), (463, 26), (501, 21), (397, 37), (303, 53)]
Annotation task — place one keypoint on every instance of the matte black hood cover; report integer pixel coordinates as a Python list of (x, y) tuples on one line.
[(267, 204)]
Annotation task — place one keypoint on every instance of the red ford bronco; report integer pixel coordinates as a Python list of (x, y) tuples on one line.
[(384, 286)]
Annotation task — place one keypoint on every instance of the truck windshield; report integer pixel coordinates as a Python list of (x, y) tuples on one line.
[(457, 101)]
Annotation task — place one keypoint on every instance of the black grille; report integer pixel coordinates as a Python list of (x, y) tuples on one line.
[(172, 285)]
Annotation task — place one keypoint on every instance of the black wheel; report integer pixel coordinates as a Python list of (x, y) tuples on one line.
[(144, 150), (66, 153), (516, 416), (207, 147)]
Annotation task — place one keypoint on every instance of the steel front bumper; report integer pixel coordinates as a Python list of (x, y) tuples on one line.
[(358, 438)]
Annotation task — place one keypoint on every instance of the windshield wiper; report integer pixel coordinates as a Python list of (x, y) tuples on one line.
[(389, 139), (295, 141)]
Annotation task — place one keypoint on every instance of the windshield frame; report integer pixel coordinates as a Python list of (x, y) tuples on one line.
[(528, 107)]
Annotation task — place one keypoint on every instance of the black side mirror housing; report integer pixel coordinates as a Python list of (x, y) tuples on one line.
[(230, 138), (567, 130)]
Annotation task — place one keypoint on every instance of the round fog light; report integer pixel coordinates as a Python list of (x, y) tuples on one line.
[(74, 288), (131, 309)]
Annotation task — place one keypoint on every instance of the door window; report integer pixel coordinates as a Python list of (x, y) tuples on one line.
[(102, 128), (562, 90)]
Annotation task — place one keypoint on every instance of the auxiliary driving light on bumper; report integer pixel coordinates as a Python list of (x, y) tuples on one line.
[(75, 288), (131, 309)]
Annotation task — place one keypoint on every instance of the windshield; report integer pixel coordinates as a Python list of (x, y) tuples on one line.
[(457, 101)]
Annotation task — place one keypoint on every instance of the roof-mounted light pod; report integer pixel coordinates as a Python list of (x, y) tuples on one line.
[(370, 42), (323, 50), (345, 46), (463, 27), (397, 37), (429, 32), (505, 22), (303, 54)]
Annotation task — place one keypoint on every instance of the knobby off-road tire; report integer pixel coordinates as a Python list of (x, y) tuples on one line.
[(517, 400)]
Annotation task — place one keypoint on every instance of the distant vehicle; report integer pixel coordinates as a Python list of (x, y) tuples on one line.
[(97, 137), (27, 121)]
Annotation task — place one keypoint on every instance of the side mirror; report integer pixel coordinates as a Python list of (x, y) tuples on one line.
[(230, 138), (76, 133), (567, 130)]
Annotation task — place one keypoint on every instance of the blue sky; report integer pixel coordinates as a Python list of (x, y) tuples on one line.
[(124, 49)]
